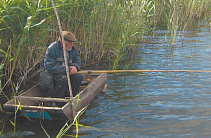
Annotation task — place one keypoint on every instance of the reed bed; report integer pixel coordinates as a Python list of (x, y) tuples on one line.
[(178, 14), (105, 29)]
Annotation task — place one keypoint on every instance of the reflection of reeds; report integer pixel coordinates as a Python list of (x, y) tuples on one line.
[(178, 14), (104, 29)]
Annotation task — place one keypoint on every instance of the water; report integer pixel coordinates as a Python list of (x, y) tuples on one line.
[(159, 104), (151, 104)]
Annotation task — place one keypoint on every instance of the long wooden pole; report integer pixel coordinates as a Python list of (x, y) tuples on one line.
[(65, 56), (122, 71), (64, 49)]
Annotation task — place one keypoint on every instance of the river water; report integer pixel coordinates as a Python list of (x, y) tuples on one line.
[(159, 104), (151, 104)]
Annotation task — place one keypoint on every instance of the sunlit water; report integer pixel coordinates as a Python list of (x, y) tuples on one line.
[(152, 104), (172, 104)]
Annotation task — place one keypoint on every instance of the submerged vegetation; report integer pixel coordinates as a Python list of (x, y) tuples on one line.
[(105, 29)]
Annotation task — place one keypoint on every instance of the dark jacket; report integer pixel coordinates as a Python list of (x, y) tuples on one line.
[(54, 61)]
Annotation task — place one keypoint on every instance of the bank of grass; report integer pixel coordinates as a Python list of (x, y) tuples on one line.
[(105, 29)]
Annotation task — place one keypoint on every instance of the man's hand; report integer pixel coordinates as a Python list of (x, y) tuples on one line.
[(73, 70)]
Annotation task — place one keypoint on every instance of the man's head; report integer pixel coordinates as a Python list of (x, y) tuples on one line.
[(69, 38)]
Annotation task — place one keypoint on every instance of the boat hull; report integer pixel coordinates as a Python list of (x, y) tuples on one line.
[(32, 102)]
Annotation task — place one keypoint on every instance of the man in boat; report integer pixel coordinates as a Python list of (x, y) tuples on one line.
[(54, 65)]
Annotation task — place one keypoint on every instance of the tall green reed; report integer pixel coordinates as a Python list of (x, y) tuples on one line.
[(105, 29), (133, 23), (179, 14), (21, 34)]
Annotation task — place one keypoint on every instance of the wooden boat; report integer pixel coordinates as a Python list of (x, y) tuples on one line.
[(33, 101)]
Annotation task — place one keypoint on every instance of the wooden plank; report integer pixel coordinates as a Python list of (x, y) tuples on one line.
[(39, 108), (86, 95), (43, 99), (91, 91)]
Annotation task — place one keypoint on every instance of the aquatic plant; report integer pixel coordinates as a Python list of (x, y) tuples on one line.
[(174, 15), (75, 122), (105, 29), (68, 124), (19, 29)]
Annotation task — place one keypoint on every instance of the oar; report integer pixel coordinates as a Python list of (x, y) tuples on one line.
[(122, 71)]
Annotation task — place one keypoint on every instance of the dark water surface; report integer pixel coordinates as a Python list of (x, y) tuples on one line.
[(151, 104)]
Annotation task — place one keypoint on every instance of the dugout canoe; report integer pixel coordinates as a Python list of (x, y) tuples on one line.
[(35, 104)]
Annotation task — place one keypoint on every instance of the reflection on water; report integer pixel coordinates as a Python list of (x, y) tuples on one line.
[(154, 104)]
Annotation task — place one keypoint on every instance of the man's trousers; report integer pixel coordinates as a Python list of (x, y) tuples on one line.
[(61, 88)]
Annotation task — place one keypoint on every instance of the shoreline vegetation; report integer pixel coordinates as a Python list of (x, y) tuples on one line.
[(105, 30)]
